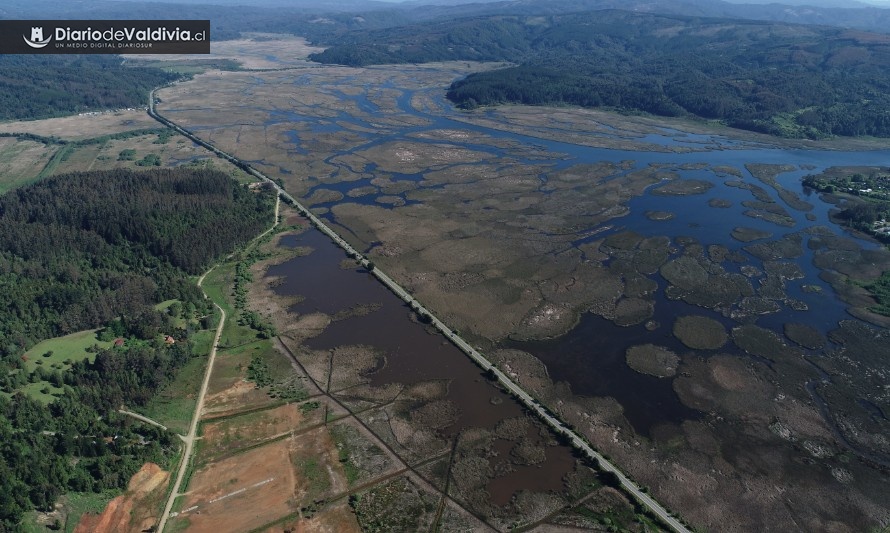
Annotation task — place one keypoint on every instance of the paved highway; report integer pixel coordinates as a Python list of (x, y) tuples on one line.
[(632, 488)]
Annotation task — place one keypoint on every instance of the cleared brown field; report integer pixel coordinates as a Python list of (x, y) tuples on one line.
[(240, 493), (134, 511), (240, 396), (228, 435), (86, 126), (272, 481)]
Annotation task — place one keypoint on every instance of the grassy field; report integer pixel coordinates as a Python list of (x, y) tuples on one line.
[(173, 407), (73, 506), (204, 338), (231, 362), (22, 161), (78, 158), (25, 161), (61, 155), (36, 391), (178, 322), (69, 348), (218, 285), (165, 305)]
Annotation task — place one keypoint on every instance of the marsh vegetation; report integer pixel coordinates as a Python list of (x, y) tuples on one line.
[(517, 238)]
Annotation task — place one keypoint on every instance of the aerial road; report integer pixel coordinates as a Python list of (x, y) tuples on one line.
[(558, 426)]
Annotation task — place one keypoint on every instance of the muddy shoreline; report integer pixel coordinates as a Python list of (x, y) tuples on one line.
[(505, 235)]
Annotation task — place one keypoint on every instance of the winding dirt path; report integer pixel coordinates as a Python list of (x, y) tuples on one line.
[(580, 444), (189, 439)]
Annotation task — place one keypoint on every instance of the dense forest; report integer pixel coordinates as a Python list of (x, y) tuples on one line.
[(87, 250), (787, 80), (39, 86), (79, 442), (79, 249)]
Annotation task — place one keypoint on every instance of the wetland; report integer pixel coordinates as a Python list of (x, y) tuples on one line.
[(678, 297)]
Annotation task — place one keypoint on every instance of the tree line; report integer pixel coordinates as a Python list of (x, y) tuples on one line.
[(77, 250), (86, 250), (40, 86), (781, 79)]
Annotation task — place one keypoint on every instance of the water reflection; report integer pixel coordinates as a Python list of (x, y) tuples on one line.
[(412, 353)]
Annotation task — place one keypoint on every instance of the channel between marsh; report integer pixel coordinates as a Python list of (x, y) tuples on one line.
[(533, 405)]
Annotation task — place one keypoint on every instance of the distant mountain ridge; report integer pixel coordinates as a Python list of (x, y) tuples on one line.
[(852, 15), (783, 79), (229, 17)]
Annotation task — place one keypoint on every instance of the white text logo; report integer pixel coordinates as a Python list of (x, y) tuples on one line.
[(37, 40)]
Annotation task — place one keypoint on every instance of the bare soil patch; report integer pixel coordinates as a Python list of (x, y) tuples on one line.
[(242, 492), (138, 509), (235, 394), (222, 437)]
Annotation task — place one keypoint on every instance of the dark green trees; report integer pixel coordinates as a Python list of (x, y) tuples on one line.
[(86, 250)]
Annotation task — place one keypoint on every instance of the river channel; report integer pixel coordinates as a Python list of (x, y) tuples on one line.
[(754, 432), (591, 356)]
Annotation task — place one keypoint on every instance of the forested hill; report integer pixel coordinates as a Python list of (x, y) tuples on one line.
[(788, 80), (98, 249), (77, 250), (40, 86)]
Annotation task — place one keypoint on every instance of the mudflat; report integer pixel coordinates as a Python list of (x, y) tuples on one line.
[(517, 225)]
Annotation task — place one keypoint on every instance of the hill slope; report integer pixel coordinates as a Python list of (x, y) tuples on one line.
[(789, 80), (80, 251), (40, 86)]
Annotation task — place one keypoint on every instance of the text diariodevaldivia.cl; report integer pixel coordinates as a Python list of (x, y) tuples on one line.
[(129, 34)]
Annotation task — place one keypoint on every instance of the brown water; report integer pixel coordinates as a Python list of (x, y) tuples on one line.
[(502, 488), (413, 354)]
